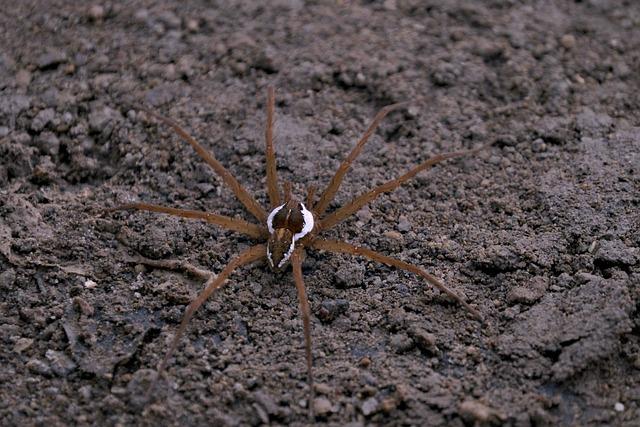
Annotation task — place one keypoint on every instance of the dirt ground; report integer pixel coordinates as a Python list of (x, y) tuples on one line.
[(540, 231)]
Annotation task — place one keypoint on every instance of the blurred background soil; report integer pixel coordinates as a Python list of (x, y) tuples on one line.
[(540, 232)]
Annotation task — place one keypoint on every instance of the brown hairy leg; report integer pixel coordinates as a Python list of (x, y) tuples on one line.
[(213, 282), (235, 224), (272, 177), (311, 193), (305, 311), (354, 206), (241, 193), (331, 190), (346, 248)]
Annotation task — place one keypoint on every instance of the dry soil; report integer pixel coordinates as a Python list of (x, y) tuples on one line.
[(539, 232)]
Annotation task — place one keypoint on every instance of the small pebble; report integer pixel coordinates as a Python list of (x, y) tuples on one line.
[(388, 405), (51, 59), (96, 12), (193, 25), (394, 235), (390, 5), (619, 407), (322, 388), (364, 214), (476, 412), (413, 111), (22, 344), (401, 343), (266, 401), (61, 364), (538, 146), (85, 392), (141, 15), (403, 223), (331, 309), (7, 278), (118, 391), (636, 362), (83, 306), (615, 252), (528, 294), (48, 143), (90, 284), (43, 118), (365, 362), (23, 78), (350, 276), (102, 118), (568, 41), (321, 406), (369, 406), (37, 366), (425, 340)]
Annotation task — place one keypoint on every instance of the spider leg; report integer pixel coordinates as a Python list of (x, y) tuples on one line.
[(311, 193), (287, 191), (226, 222), (241, 193), (212, 283), (331, 190), (354, 206), (296, 263), (346, 248), (272, 177)]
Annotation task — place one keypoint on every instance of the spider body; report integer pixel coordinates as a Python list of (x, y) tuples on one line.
[(287, 224), (289, 229)]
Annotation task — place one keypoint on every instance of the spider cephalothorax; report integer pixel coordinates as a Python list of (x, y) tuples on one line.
[(290, 228)]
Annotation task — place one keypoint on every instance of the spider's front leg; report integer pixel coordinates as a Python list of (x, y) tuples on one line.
[(229, 223), (212, 283)]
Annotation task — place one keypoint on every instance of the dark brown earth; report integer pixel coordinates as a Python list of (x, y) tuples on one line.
[(540, 232)]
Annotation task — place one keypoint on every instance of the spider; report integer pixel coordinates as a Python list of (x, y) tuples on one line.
[(289, 228)]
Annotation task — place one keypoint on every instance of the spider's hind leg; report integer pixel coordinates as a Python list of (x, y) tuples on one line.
[(345, 248), (212, 283)]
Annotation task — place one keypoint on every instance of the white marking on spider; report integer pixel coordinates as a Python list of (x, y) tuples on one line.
[(270, 218), (286, 256), (269, 256), (308, 223)]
